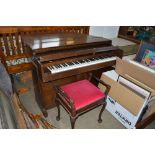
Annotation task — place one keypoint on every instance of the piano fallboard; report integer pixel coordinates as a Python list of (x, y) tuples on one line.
[(57, 55)]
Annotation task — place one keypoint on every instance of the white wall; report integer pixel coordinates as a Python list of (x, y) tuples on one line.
[(104, 31)]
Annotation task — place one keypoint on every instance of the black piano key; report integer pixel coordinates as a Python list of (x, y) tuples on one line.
[(91, 59), (60, 65), (57, 66), (69, 63), (64, 65), (102, 57), (97, 58), (54, 67), (51, 67), (81, 61), (76, 62), (88, 60)]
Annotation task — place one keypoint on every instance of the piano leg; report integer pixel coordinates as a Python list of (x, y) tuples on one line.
[(38, 93)]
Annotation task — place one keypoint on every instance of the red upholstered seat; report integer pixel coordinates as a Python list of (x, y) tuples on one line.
[(83, 93), (85, 97)]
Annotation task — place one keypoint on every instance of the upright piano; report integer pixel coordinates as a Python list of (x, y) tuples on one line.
[(64, 58)]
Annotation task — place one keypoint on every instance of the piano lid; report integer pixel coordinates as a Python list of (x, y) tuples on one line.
[(43, 42)]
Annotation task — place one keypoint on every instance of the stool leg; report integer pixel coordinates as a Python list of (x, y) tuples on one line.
[(100, 114), (58, 107), (72, 120)]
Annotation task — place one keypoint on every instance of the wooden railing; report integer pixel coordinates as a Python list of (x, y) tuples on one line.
[(35, 29), (12, 52), (73, 29)]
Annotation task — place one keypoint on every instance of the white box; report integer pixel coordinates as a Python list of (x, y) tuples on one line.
[(128, 96)]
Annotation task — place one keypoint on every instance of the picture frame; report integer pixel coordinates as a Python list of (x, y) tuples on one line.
[(142, 48)]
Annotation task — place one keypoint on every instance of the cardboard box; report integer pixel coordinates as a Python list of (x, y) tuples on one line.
[(131, 88)]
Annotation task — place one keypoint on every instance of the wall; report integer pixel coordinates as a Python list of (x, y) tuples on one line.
[(104, 31)]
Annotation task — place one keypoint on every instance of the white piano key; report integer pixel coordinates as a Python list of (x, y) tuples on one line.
[(75, 66)]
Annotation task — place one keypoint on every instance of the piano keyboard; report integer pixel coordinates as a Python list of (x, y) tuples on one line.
[(78, 64)]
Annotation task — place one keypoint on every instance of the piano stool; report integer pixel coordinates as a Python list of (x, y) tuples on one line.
[(80, 97)]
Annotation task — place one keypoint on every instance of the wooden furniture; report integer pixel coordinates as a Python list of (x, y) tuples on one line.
[(63, 58), (50, 29), (80, 97), (12, 52), (53, 29), (145, 122), (125, 32)]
